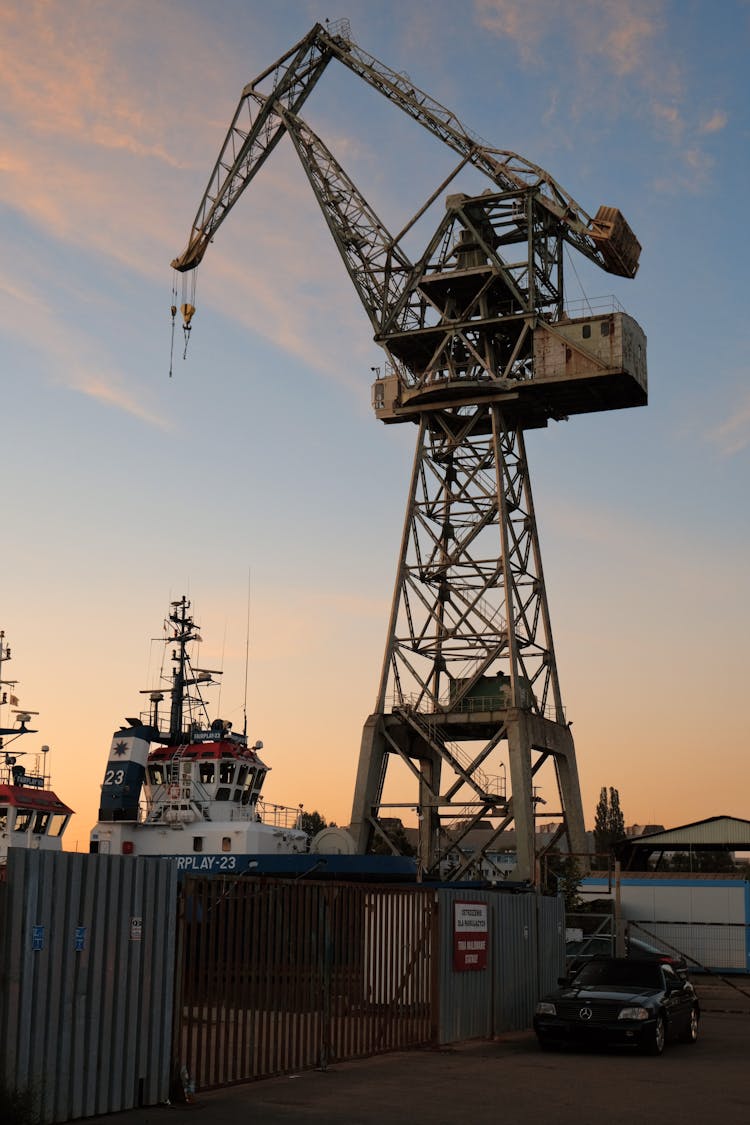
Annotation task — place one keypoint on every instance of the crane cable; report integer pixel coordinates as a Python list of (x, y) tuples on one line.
[(173, 310), (187, 308)]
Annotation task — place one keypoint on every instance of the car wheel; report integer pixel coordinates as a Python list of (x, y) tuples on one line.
[(690, 1034), (653, 1043)]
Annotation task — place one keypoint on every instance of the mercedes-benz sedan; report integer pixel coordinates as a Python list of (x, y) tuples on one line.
[(619, 1002)]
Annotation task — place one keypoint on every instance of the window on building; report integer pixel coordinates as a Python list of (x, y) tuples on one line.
[(586, 331)]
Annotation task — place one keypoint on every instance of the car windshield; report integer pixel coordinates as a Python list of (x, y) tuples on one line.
[(631, 974)]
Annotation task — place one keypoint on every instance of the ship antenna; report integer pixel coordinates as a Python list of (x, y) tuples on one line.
[(247, 653)]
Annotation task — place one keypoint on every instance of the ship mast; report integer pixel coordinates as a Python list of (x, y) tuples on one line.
[(185, 630)]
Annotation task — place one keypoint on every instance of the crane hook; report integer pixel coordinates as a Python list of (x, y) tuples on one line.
[(187, 311)]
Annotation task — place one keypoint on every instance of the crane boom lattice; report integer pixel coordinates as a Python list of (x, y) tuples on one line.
[(468, 728)]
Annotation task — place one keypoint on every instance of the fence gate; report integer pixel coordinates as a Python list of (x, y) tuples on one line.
[(276, 976)]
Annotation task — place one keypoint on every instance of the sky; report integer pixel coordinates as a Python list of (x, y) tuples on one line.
[(256, 479)]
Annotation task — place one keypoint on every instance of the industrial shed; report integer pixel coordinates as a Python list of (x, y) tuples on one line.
[(698, 911), (725, 834)]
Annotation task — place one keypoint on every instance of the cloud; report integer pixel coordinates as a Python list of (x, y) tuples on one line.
[(619, 30), (523, 23), (85, 138), (732, 435), (608, 58), (108, 389), (716, 122), (30, 318)]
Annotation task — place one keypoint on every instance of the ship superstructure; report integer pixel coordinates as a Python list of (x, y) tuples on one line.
[(31, 814), (180, 784)]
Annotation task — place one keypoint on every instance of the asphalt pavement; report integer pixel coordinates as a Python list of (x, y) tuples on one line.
[(484, 1082)]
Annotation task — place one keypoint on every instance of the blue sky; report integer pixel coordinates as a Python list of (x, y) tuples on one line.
[(123, 488)]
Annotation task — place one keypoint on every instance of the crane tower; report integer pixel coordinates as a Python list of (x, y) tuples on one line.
[(480, 346)]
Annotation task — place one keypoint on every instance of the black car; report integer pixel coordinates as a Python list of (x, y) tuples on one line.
[(578, 952), (619, 1001)]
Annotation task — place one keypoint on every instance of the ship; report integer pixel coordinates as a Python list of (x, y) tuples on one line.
[(183, 785), (31, 814)]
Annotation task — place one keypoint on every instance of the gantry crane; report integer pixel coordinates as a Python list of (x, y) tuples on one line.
[(479, 347)]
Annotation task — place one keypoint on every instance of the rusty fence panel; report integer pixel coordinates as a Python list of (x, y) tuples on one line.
[(279, 976)]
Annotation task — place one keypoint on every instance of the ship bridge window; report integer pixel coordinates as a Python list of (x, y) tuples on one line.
[(586, 331), (241, 775), (207, 773), (57, 824), (249, 784), (23, 820), (197, 843), (605, 328), (226, 773), (3, 818), (156, 775), (226, 843), (41, 823), (222, 794)]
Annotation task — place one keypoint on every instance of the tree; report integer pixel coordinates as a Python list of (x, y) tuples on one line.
[(312, 822), (394, 830), (562, 875), (609, 822)]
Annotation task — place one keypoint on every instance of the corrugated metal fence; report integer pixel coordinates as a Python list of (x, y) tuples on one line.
[(112, 981), (525, 956), (86, 980)]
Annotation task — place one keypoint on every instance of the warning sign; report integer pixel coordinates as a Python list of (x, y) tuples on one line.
[(470, 934)]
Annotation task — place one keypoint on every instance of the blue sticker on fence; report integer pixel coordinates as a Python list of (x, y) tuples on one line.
[(80, 938), (37, 937)]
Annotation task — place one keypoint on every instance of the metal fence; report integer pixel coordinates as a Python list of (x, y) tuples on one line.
[(116, 985), (86, 980), (718, 947), (278, 976)]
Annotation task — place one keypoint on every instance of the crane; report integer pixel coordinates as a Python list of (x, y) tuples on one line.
[(480, 347)]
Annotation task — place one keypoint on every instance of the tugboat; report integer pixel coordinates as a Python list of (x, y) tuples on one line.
[(178, 784), (31, 814)]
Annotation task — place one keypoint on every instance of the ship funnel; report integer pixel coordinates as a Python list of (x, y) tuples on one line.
[(125, 772)]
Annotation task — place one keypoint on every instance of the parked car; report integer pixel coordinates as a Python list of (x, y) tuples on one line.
[(577, 953), (619, 1001)]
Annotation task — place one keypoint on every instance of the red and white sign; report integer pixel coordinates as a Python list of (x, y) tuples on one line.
[(470, 936)]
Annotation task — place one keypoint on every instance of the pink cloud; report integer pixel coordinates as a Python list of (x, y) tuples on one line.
[(716, 122), (732, 436)]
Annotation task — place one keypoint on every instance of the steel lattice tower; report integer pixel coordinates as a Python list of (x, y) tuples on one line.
[(479, 348)]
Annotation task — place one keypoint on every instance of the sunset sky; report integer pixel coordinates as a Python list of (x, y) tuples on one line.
[(259, 464)]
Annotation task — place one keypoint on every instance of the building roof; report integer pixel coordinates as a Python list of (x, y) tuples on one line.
[(715, 831)]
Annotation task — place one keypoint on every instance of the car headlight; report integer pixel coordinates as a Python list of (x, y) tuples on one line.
[(545, 1008), (634, 1013)]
